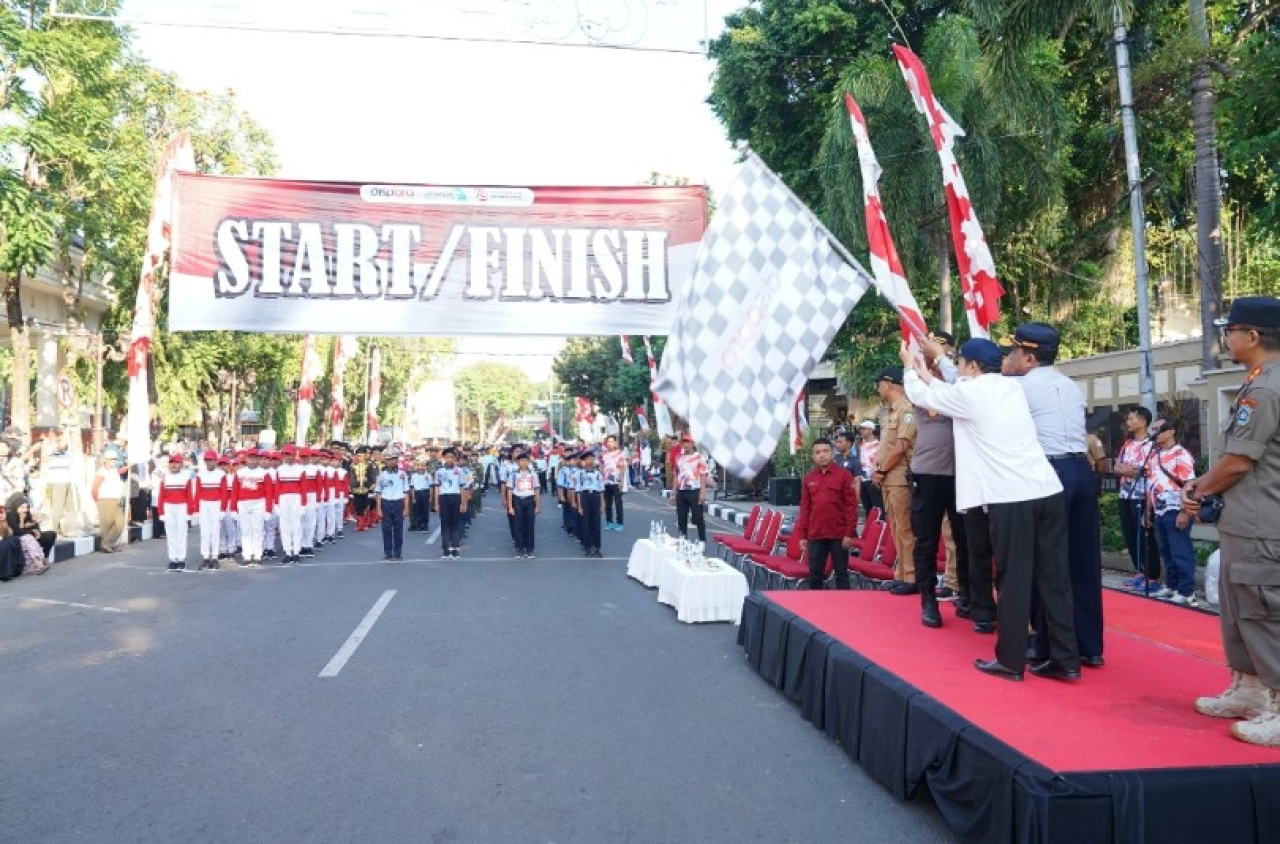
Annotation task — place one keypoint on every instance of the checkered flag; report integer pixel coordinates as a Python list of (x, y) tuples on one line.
[(770, 289)]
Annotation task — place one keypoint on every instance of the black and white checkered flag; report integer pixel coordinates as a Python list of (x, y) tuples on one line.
[(770, 289)]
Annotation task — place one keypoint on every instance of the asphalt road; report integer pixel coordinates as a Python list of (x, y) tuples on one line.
[(492, 700)]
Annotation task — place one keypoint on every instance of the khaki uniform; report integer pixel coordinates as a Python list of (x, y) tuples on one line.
[(899, 424), (1249, 531)]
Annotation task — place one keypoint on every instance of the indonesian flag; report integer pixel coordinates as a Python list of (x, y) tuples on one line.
[(344, 351), (890, 279), (982, 290), (799, 423), (312, 368), (660, 414), (178, 155), (642, 418), (626, 350), (375, 392), (586, 411)]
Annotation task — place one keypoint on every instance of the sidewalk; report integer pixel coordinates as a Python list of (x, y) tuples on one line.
[(78, 546)]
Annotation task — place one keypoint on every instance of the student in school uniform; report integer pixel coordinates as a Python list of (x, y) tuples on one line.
[(447, 495), (420, 490), (212, 491), (524, 504), (390, 492), (590, 498), (174, 504)]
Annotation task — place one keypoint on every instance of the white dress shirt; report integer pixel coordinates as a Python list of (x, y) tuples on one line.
[(998, 460), (1057, 409)]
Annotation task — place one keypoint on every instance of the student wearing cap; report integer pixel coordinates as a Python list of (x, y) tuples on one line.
[(1000, 468), (868, 449), (446, 497), (892, 459), (1058, 411), (590, 498), (230, 521), (1247, 476), (289, 497), (252, 498), (176, 501), (310, 499), (523, 503), (271, 523), (420, 490), (389, 496), (506, 467), (691, 488), (212, 493), (564, 491), (613, 465)]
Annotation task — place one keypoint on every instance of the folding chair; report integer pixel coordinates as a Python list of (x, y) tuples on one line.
[(734, 544), (752, 519)]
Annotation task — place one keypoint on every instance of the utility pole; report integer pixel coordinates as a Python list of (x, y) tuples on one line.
[(1208, 191), (1146, 378)]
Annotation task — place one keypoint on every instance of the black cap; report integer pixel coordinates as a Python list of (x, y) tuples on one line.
[(945, 337), (892, 374), (981, 351), (1253, 311), (1037, 335)]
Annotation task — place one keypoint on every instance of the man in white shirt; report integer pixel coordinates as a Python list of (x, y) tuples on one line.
[(1000, 467)]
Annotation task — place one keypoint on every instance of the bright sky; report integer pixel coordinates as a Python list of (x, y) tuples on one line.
[(463, 113)]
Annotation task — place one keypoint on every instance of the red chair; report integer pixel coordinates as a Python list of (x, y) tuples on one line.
[(752, 539), (875, 514), (752, 519), (867, 546), (766, 546), (773, 568), (867, 566)]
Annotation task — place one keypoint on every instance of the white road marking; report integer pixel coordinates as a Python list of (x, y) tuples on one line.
[(435, 534), (74, 604), (357, 636)]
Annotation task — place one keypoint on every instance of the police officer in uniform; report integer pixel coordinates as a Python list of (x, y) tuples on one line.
[(389, 494), (1058, 411), (894, 456), (1247, 475)]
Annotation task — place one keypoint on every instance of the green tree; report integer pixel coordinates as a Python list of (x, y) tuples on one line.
[(593, 368), (493, 393)]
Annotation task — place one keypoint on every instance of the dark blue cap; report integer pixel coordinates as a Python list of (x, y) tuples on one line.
[(892, 374), (1253, 311), (1037, 335), (981, 351)]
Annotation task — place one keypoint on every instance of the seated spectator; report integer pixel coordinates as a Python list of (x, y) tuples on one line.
[(36, 545), (10, 553)]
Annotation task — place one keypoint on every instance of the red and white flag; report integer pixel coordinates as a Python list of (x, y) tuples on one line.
[(345, 348), (660, 415), (375, 393), (642, 418), (626, 350), (981, 288), (178, 155), (890, 279), (799, 424), (312, 369)]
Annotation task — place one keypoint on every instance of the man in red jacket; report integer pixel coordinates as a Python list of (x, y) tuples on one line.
[(828, 519)]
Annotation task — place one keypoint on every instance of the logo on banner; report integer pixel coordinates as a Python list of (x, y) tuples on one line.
[(417, 195)]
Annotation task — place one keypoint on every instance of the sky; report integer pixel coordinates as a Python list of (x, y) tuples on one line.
[(399, 110)]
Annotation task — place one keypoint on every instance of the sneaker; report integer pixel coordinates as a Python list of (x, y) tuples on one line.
[(1138, 583), (214, 565), (1166, 593), (1194, 602), (529, 556), (1246, 697), (1175, 598), (608, 525), (172, 566), (1263, 729), (180, 566)]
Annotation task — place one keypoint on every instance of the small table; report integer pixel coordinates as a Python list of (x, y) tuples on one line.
[(696, 594)]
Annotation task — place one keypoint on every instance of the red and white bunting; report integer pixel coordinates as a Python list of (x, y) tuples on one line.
[(178, 155), (345, 348), (661, 416), (981, 288), (375, 393), (312, 368), (626, 350), (890, 279)]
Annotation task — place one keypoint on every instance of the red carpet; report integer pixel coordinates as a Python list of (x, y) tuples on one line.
[(1136, 713)]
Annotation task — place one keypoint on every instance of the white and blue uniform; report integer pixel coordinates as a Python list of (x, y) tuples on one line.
[(590, 489), (392, 487), (450, 481)]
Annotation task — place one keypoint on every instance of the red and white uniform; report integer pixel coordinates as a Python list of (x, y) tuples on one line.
[(289, 507), (341, 488), (613, 465), (690, 470), (212, 489), (271, 524), (322, 505), (175, 503), (310, 503), (252, 497)]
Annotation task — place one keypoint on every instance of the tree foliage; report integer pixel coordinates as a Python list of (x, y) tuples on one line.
[(593, 368)]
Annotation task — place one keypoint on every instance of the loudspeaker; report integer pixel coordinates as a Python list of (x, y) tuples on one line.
[(784, 492)]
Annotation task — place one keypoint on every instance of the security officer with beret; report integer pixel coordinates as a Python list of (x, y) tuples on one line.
[(1058, 410), (897, 439), (1247, 475)]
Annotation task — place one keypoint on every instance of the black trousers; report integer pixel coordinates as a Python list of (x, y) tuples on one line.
[(871, 497), (589, 522), (421, 509), (393, 527), (360, 503), (932, 497), (1140, 541), (542, 481), (450, 504), (567, 514), (612, 501), (1084, 557), (1030, 539), (687, 503), (819, 551), (523, 521), (981, 574)]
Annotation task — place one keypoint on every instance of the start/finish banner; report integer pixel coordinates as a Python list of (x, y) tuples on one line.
[(335, 257)]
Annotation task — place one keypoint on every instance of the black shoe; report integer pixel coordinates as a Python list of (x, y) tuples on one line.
[(306, 552), (214, 565), (529, 555), (930, 617), (1092, 661), (964, 609), (985, 627), (995, 669), (387, 557), (179, 566), (1053, 671), (944, 593), (904, 588), (172, 566)]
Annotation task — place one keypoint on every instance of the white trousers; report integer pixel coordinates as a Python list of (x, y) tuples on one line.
[(270, 530), (322, 516), (176, 523), (230, 532), (308, 524), (252, 514), (342, 509), (210, 516), (289, 511)]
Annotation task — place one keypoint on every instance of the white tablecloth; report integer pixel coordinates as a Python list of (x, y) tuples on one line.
[(696, 595)]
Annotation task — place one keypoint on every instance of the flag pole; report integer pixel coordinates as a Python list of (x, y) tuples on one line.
[(368, 367)]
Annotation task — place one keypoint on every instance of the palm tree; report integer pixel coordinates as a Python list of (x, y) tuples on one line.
[(1208, 190)]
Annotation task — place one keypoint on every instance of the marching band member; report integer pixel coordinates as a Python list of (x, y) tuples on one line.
[(361, 482)]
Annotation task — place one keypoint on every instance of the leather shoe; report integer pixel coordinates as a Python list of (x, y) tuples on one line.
[(995, 669), (963, 609), (1053, 671), (985, 627), (930, 617), (903, 588), (1092, 661)]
